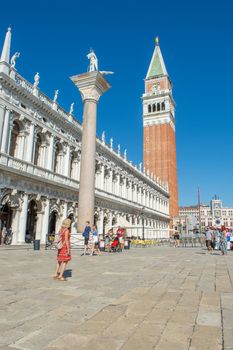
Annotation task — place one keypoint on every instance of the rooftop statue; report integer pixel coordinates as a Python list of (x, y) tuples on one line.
[(36, 80), (111, 143), (14, 58), (93, 61), (71, 108), (55, 96)]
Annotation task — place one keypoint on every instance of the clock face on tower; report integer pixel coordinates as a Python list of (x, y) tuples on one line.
[(155, 87)]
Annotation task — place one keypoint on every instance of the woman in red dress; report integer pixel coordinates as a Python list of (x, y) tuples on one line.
[(63, 255)]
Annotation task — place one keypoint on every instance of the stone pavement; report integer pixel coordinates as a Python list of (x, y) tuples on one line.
[(146, 298)]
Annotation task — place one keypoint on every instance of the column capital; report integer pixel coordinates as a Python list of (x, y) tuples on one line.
[(91, 85)]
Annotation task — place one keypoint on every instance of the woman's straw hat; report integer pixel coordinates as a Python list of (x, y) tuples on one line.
[(66, 223)]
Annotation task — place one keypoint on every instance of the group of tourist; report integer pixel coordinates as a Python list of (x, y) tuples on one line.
[(216, 238), (90, 234)]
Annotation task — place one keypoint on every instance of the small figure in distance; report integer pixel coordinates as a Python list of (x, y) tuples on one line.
[(177, 240), (95, 246), (86, 235), (107, 242), (208, 238)]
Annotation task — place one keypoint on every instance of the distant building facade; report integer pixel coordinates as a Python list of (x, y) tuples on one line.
[(214, 214), (40, 150)]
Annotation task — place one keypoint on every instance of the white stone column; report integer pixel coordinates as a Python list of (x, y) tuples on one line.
[(45, 224), (30, 143), (91, 86), (110, 182), (102, 178), (21, 153), (109, 220), (67, 160), (2, 118), (100, 222), (23, 219), (43, 150), (65, 211), (130, 191), (49, 164), (39, 225), (15, 225), (5, 134)]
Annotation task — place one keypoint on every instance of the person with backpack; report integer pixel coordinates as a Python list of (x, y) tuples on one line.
[(63, 247)]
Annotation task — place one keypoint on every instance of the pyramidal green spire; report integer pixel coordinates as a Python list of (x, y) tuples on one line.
[(157, 66)]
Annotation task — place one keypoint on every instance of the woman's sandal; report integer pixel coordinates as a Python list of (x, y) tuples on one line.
[(56, 276)]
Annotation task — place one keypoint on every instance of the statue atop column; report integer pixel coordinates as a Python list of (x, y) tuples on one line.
[(93, 61)]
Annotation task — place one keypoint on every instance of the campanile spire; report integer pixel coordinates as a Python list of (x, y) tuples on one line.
[(159, 126)]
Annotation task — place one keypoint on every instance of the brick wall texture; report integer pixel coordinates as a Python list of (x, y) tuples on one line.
[(160, 158)]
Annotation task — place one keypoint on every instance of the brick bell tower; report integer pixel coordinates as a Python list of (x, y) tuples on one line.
[(159, 126)]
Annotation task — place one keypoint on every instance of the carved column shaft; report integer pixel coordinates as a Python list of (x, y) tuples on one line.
[(5, 132), (91, 86), (30, 144)]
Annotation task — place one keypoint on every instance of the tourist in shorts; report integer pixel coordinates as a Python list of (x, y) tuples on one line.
[(95, 246), (177, 240), (208, 239)]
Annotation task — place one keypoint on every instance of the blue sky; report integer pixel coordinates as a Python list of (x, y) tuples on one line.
[(196, 41)]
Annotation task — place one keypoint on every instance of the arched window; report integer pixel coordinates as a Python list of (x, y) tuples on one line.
[(149, 108), (158, 107), (163, 106), (14, 140), (154, 107)]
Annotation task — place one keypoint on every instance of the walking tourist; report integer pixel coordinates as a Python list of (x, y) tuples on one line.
[(223, 242), (120, 234), (177, 240), (95, 246), (86, 235), (64, 254), (208, 240)]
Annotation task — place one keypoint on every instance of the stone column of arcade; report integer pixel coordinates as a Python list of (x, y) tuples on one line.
[(91, 86)]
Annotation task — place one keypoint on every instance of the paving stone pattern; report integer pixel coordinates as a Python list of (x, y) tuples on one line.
[(147, 298)]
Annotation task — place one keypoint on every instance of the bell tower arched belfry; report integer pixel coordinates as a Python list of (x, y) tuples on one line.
[(159, 126)]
